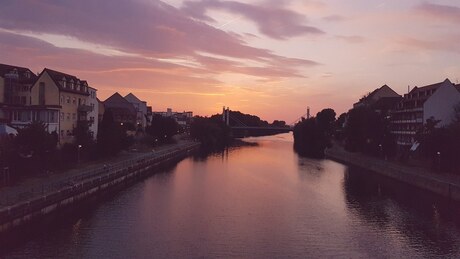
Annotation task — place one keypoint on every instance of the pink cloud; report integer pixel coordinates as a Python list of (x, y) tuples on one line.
[(152, 29), (448, 45), (272, 20), (438, 11)]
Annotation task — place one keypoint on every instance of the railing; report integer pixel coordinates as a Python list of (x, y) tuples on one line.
[(102, 171)]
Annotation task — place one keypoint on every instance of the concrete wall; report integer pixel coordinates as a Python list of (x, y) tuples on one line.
[(441, 105), (422, 181), (69, 195)]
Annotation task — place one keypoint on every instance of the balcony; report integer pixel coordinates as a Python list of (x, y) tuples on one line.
[(85, 108), (404, 132)]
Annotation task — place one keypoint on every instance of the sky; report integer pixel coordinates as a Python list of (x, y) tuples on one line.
[(270, 58)]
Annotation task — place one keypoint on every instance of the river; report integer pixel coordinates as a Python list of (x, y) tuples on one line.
[(256, 201)]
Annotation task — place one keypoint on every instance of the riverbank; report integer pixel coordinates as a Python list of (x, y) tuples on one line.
[(67, 189), (446, 185)]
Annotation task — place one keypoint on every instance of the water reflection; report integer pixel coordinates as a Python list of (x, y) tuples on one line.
[(257, 201), (412, 215)]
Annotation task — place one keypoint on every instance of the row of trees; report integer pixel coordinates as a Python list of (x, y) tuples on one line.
[(313, 135), (212, 132), (35, 151), (367, 131), (441, 145)]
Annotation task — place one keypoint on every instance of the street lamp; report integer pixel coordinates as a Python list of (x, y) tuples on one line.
[(439, 160), (78, 153)]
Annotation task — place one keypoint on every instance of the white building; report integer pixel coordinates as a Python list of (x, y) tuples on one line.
[(442, 103)]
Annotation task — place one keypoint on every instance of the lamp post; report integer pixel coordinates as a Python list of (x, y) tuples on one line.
[(439, 160), (78, 153)]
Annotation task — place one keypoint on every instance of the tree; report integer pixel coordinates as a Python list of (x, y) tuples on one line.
[(313, 135), (34, 144), (111, 137), (162, 128), (277, 123), (367, 131), (211, 132)]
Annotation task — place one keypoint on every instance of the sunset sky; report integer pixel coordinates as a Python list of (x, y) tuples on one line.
[(270, 58)]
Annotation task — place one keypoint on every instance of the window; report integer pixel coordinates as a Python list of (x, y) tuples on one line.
[(52, 116), (68, 116), (62, 99), (41, 93), (74, 100), (62, 116), (68, 99), (62, 133), (23, 100), (74, 116)]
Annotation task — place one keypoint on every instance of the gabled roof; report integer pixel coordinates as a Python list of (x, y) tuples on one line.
[(132, 98), (59, 76), (429, 87), (116, 101), (24, 75)]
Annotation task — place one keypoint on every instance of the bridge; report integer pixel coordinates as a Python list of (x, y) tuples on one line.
[(240, 129)]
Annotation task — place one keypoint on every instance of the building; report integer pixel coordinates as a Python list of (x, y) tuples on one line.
[(61, 101), (381, 98), (141, 109), (93, 115), (437, 101), (15, 84), (182, 118), (149, 116), (100, 110), (123, 111)]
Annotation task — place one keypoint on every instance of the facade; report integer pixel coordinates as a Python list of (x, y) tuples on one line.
[(62, 101), (15, 84), (123, 111), (437, 101), (149, 116), (141, 109), (100, 110), (93, 115)]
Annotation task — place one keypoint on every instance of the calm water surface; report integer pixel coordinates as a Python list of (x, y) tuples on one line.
[(257, 202)]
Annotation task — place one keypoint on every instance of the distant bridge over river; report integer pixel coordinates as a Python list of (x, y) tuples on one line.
[(240, 129)]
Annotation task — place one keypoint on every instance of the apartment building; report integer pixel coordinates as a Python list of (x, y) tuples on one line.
[(62, 100), (437, 101), (15, 84)]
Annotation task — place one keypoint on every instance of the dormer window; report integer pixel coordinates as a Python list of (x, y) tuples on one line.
[(71, 84), (27, 74), (64, 82)]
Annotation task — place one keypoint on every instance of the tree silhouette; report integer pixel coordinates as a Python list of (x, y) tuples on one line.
[(313, 135)]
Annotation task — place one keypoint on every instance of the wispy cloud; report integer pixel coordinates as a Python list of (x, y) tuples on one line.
[(439, 11), (281, 24)]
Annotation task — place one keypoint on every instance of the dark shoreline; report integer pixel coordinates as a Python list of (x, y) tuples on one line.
[(418, 177)]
